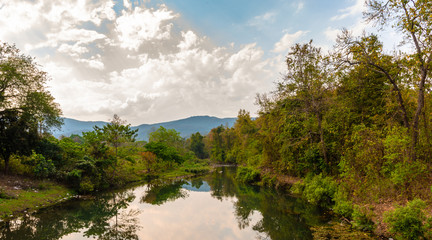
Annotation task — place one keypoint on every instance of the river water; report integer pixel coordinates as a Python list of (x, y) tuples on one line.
[(214, 206)]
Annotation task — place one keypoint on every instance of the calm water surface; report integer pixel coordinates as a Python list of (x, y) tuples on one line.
[(211, 207)]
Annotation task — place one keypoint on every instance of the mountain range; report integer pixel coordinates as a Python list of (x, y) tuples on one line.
[(187, 126)]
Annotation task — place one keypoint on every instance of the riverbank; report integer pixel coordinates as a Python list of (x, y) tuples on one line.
[(367, 218), (20, 195)]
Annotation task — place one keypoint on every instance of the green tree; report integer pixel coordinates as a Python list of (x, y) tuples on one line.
[(116, 133), (308, 82), (26, 107), (197, 145), (169, 136), (412, 19)]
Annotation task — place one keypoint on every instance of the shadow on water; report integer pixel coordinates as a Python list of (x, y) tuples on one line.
[(270, 214)]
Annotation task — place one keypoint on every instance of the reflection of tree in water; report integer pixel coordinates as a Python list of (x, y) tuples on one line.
[(222, 183), (158, 193), (283, 217), (101, 217)]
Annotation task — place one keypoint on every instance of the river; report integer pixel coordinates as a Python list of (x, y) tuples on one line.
[(214, 206)]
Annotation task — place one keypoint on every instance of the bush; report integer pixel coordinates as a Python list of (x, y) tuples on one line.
[(320, 190), (44, 168), (342, 206), (362, 219), (407, 222), (247, 175), (86, 185)]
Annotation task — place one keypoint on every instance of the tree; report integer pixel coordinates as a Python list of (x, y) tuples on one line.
[(26, 107), (308, 81), (168, 136), (413, 19), (116, 133), (197, 145)]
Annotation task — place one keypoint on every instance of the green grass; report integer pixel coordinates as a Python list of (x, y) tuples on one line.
[(33, 199)]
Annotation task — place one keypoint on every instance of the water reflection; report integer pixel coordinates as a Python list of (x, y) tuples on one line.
[(211, 207)]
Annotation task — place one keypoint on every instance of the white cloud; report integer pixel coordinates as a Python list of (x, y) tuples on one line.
[(73, 50), (288, 40), (94, 62), (354, 10), (331, 33), (86, 49), (127, 4), (262, 20), (298, 6), (75, 35), (17, 17), (190, 39), (141, 25)]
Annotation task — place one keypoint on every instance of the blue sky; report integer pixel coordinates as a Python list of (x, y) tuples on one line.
[(160, 60)]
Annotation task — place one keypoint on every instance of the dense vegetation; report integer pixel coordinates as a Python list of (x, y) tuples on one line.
[(355, 123)]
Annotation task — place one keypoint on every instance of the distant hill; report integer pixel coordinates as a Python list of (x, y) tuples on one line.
[(186, 127)]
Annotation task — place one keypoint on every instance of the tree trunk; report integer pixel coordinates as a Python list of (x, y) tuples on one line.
[(415, 125), (322, 143)]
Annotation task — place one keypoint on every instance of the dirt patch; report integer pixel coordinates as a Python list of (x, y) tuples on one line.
[(11, 185)]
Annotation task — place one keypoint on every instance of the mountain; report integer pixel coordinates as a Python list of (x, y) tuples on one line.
[(186, 127)]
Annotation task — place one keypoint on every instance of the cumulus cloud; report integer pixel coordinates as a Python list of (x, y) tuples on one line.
[(135, 27), (132, 63), (288, 40), (190, 39)]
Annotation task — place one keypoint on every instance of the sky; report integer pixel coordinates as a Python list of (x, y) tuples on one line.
[(156, 61)]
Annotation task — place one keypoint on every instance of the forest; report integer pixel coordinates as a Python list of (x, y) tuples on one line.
[(349, 130), (353, 123)]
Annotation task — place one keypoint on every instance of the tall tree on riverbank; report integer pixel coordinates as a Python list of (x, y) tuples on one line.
[(413, 19), (26, 107)]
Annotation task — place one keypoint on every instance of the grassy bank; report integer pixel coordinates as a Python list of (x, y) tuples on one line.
[(20, 195)]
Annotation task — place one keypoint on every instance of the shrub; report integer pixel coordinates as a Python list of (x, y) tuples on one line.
[(320, 190), (362, 219), (86, 185), (342, 206), (44, 168), (407, 222), (247, 175)]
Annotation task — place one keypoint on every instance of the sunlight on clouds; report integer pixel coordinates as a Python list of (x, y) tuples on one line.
[(189, 40), (134, 65), (17, 17), (142, 25)]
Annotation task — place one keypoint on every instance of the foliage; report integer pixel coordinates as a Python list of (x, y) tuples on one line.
[(26, 108), (248, 175), (362, 219), (320, 190), (197, 145), (408, 222), (44, 167), (343, 206), (164, 152)]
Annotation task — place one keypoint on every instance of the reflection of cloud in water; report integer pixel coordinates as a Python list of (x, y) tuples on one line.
[(200, 216)]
